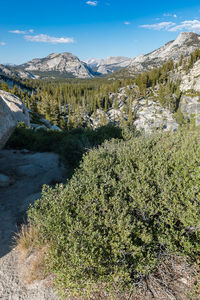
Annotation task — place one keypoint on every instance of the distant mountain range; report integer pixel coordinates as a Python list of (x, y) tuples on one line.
[(108, 65), (67, 65)]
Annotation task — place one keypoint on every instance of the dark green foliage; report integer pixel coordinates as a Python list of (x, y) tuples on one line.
[(4, 86), (128, 206), (179, 117), (70, 145)]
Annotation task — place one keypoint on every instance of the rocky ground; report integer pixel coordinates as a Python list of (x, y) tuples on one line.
[(22, 175)]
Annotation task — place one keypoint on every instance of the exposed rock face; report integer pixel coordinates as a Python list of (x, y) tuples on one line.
[(147, 114), (12, 111), (185, 44), (68, 65), (110, 64), (151, 116), (190, 99), (63, 63), (190, 107), (191, 80), (13, 71)]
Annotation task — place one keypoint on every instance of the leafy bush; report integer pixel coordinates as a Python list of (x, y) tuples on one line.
[(127, 206), (70, 145)]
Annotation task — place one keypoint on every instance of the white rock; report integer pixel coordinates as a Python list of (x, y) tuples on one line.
[(59, 62), (55, 128), (191, 81), (184, 44), (12, 111), (40, 127)]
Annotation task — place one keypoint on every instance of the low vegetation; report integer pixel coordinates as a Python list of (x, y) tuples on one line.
[(70, 145), (129, 207), (129, 212)]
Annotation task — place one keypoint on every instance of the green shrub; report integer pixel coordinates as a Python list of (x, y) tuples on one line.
[(70, 145), (128, 206)]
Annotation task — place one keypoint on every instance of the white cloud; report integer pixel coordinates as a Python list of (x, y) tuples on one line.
[(127, 23), (21, 31), (2, 43), (92, 3), (190, 25), (44, 38), (159, 26), (18, 31), (193, 25), (170, 15)]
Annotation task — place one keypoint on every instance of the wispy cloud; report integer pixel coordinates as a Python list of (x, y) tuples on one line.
[(190, 25), (92, 3), (21, 31), (170, 15), (18, 31), (159, 26), (2, 43), (127, 23), (193, 25), (44, 38)]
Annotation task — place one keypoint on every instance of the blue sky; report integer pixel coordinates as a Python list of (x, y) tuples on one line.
[(33, 28)]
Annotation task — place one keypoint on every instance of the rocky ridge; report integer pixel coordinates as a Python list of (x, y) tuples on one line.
[(58, 63), (109, 65), (68, 65), (184, 45), (15, 72)]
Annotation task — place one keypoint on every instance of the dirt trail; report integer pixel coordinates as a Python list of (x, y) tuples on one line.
[(27, 173)]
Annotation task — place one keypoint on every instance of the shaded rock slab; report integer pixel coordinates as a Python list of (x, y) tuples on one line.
[(28, 172), (4, 180), (12, 111)]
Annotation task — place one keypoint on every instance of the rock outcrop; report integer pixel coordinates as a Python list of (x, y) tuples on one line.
[(63, 64), (184, 45), (190, 107), (191, 80), (12, 111), (147, 115), (109, 65), (15, 72)]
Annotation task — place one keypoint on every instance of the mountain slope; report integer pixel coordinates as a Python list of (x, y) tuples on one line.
[(14, 71), (109, 65), (65, 64), (184, 45)]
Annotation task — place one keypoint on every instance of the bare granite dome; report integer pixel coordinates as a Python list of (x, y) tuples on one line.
[(61, 63)]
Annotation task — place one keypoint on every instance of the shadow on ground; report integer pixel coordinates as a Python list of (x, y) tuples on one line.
[(27, 173)]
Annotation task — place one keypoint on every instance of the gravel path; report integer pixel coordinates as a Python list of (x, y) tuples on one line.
[(27, 173)]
